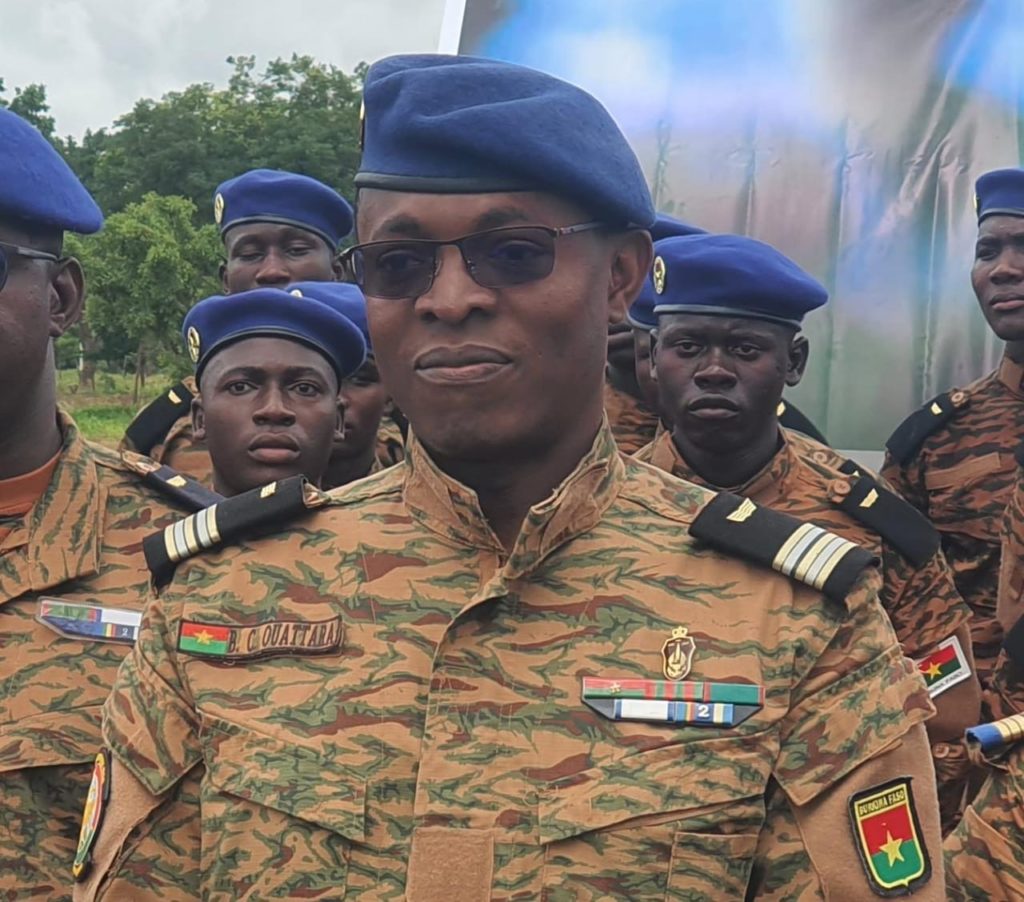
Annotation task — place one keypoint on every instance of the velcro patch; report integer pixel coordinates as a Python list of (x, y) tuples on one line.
[(887, 834), (89, 621), (230, 642), (944, 667), (92, 816)]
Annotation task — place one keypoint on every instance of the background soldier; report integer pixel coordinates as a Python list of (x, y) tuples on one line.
[(506, 666)]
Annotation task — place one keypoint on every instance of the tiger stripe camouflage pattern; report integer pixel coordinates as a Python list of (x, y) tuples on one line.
[(960, 477), (632, 423), (80, 545), (444, 750)]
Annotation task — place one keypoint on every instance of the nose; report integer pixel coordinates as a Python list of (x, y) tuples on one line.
[(273, 409), (453, 296), (1008, 268), (273, 269), (714, 374)]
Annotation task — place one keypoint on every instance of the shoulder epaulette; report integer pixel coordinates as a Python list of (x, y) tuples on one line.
[(188, 492), (790, 417), (906, 441), (1018, 454), (898, 522), (998, 735), (802, 551), (275, 504), (152, 423), (1013, 644)]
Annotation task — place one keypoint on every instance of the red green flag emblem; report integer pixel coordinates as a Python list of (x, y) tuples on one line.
[(888, 837), (944, 667), (204, 638)]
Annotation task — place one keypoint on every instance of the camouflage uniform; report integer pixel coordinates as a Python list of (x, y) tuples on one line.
[(406, 718), (953, 460), (633, 425), (811, 481), (79, 545)]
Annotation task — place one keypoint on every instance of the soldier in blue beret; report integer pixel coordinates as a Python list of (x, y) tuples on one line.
[(72, 518), (269, 365), (518, 663), (943, 458), (369, 410)]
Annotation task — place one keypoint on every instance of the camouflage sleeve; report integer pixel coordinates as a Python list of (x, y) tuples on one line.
[(854, 749), (1010, 600), (985, 854), (906, 480)]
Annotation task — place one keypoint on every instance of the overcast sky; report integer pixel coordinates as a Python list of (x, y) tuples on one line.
[(97, 57)]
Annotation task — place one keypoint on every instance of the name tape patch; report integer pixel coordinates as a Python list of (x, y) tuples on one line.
[(276, 637)]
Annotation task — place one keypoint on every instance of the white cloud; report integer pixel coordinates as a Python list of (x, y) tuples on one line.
[(97, 57)]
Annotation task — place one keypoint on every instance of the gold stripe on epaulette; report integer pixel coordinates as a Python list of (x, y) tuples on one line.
[(825, 554), (869, 499), (172, 555), (178, 481), (818, 551), (211, 524), (1011, 728), (172, 394), (189, 530), (841, 550), (805, 537), (743, 512), (935, 409), (788, 545)]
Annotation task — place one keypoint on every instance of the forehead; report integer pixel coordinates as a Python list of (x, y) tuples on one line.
[(709, 324), (267, 354), (401, 214), (266, 233), (1001, 227)]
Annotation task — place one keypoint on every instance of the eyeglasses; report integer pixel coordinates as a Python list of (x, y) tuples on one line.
[(14, 250), (406, 268)]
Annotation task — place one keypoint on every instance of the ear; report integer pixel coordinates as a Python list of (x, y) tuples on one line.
[(339, 426), (67, 296), (796, 363), (222, 271), (653, 339), (338, 268), (198, 418), (631, 263)]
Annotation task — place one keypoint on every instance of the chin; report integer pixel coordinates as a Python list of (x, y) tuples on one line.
[(463, 438), (1007, 330)]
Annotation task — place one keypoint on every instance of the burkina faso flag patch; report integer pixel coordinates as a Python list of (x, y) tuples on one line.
[(888, 838), (945, 667)]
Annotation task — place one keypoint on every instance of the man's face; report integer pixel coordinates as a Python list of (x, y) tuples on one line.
[(499, 373), (998, 275), (720, 378), (267, 409), (271, 255), (38, 303), (363, 399)]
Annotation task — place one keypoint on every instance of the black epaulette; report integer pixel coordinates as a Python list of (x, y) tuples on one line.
[(1013, 644), (802, 551), (1018, 454), (906, 441), (186, 491), (899, 523), (275, 504), (154, 421), (792, 418)]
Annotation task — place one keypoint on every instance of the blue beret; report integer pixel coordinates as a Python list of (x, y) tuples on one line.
[(1000, 193), (221, 320), (641, 311), (37, 186), (344, 297), (269, 195), (461, 125), (733, 276)]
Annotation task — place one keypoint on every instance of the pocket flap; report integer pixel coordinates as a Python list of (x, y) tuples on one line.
[(52, 738), (289, 778), (679, 777)]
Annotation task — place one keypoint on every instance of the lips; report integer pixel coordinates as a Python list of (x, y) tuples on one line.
[(1006, 303), (274, 448), (713, 403), (464, 363)]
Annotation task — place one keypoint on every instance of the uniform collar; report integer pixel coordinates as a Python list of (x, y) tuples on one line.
[(1011, 374), (451, 509), (768, 483), (59, 538)]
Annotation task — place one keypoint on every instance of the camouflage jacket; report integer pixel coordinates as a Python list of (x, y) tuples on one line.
[(385, 703), (632, 423), (72, 587), (953, 460)]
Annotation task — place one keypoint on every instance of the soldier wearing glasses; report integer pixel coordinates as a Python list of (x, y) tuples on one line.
[(72, 519), (518, 664)]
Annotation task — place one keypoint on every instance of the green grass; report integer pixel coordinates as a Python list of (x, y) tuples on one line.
[(103, 413)]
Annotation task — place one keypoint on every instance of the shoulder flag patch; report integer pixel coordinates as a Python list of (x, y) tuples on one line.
[(888, 838), (92, 816), (803, 551), (154, 421), (944, 667), (906, 441), (899, 523), (276, 504)]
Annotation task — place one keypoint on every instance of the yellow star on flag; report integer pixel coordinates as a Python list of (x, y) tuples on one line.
[(616, 687), (891, 847), (204, 638), (933, 670)]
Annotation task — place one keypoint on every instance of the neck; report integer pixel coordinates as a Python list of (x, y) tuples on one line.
[(726, 469), (624, 380), (1015, 351), (343, 470), (507, 489), (33, 436)]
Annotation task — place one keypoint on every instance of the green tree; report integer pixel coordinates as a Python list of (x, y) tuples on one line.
[(144, 271), (31, 104)]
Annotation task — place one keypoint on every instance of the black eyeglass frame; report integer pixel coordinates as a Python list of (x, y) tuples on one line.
[(348, 255), (19, 251)]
